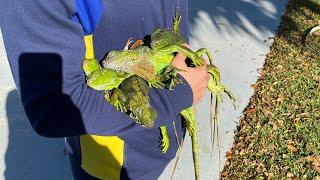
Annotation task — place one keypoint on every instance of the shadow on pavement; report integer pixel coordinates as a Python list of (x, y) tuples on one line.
[(249, 16), (51, 113), (28, 155)]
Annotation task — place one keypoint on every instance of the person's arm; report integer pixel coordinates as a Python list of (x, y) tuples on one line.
[(45, 51)]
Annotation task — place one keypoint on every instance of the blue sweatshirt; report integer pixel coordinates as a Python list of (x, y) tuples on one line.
[(45, 48)]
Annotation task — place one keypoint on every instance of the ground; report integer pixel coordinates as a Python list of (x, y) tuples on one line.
[(279, 135)]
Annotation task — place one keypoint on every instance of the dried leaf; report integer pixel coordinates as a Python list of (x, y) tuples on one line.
[(316, 163), (267, 113), (309, 159), (290, 175), (280, 98), (250, 110), (279, 66), (242, 152), (254, 86), (292, 148), (229, 154)]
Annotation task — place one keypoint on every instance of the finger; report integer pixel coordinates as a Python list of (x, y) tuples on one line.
[(198, 95)]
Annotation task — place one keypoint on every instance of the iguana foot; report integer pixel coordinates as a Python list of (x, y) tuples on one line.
[(165, 142), (117, 99), (120, 106), (156, 82), (169, 77), (173, 82)]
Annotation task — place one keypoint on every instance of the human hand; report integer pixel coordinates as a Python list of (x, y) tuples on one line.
[(197, 77)]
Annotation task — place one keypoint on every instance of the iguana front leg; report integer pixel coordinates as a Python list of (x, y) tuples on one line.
[(167, 77), (90, 65), (106, 79), (118, 99)]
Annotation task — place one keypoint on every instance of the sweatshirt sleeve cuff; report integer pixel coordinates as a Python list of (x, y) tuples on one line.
[(181, 96)]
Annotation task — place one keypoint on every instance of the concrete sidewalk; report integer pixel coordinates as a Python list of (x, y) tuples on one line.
[(236, 31)]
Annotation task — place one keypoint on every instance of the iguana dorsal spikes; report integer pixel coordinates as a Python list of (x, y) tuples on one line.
[(176, 21)]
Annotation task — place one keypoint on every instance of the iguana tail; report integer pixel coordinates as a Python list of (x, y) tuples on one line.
[(190, 119), (195, 154)]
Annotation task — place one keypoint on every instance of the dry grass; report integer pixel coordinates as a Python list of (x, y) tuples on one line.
[(279, 136)]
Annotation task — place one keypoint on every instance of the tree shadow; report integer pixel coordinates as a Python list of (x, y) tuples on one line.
[(251, 17)]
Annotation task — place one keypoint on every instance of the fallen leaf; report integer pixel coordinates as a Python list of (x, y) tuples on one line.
[(292, 148), (229, 154), (280, 98), (279, 66), (316, 163), (290, 175), (250, 110), (267, 113), (309, 158), (242, 152)]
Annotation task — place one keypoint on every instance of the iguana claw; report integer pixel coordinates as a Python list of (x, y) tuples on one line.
[(120, 106), (156, 83), (117, 98)]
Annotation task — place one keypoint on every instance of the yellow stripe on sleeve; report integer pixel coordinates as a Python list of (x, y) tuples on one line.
[(102, 156), (88, 41)]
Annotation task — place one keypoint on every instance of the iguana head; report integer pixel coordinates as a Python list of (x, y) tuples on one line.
[(164, 37)]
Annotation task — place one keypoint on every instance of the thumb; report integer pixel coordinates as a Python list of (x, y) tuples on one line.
[(179, 61)]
